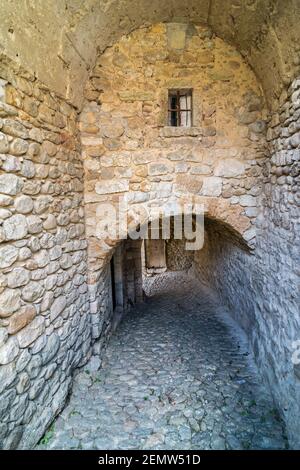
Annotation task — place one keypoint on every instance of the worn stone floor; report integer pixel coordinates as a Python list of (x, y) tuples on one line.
[(174, 376)]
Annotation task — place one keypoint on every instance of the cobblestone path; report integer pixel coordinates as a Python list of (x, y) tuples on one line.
[(174, 376)]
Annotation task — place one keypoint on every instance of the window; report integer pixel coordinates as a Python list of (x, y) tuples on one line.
[(180, 108)]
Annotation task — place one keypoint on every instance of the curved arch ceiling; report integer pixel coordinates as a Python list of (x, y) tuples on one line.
[(58, 40)]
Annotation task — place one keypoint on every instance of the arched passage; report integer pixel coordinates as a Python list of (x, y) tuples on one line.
[(177, 370)]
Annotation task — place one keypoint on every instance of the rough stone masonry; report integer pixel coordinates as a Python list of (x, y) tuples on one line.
[(83, 121)]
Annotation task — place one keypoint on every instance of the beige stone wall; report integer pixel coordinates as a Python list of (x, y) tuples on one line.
[(44, 321), (130, 152)]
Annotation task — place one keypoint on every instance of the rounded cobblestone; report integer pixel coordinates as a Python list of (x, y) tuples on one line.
[(175, 375)]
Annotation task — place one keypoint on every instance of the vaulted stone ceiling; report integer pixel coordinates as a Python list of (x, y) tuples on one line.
[(58, 40)]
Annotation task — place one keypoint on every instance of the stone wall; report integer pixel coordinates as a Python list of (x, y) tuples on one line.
[(261, 289), (129, 151), (278, 260), (44, 320)]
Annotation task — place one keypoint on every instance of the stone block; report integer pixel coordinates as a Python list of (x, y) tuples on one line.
[(18, 147), (57, 307), (4, 144), (33, 291), (111, 187), (176, 35), (15, 227), (10, 184), (156, 169), (7, 375), (136, 95), (212, 186), (248, 201), (31, 332), (18, 277), (9, 351), (187, 184), (21, 318), (24, 204), (8, 255), (9, 302), (229, 168)]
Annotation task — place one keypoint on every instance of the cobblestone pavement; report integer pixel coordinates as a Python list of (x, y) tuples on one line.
[(174, 376)]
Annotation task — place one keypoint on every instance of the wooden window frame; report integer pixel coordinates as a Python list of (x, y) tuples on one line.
[(178, 110)]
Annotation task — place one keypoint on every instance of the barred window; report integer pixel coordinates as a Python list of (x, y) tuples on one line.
[(180, 111)]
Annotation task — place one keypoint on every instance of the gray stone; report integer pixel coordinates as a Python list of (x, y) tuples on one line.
[(6, 400), (38, 345), (3, 431), (42, 203), (36, 388), (11, 164), (41, 259), (18, 409), (15, 128), (258, 127), (66, 261), (109, 187), (158, 169), (5, 200), (57, 307), (34, 224), (28, 169), (4, 214), (8, 255), (18, 146), (23, 384), (94, 364), (23, 360), (10, 184), (7, 375), (3, 336), (50, 222), (9, 302), (13, 439), (15, 227), (4, 145), (212, 186), (230, 168), (248, 201), (34, 367), (31, 332), (18, 277), (24, 204), (295, 140), (24, 253), (9, 351), (297, 371), (33, 291), (55, 252), (51, 348)]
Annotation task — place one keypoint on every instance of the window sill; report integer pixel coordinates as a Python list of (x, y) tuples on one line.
[(172, 131)]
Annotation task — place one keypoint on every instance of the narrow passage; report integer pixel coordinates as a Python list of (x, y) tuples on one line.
[(174, 376)]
